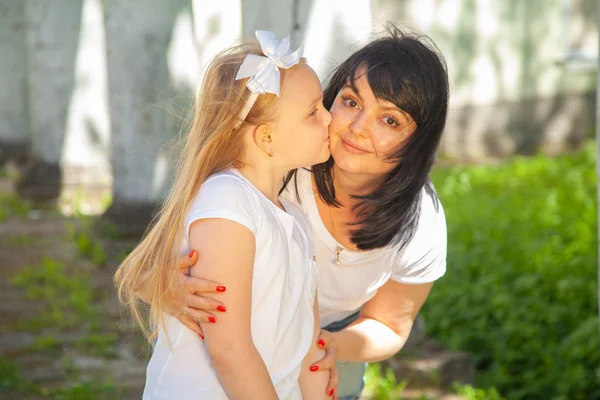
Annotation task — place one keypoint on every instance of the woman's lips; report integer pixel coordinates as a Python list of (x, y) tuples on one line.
[(352, 148)]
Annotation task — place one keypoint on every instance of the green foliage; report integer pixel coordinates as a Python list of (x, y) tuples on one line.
[(86, 391), (66, 295), (383, 386), (11, 379), (88, 246), (471, 393), (20, 240), (521, 289), (46, 343), (99, 344), (11, 205)]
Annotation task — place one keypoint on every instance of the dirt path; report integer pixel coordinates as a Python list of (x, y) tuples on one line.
[(61, 331)]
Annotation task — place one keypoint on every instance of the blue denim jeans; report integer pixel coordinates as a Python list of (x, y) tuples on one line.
[(351, 373)]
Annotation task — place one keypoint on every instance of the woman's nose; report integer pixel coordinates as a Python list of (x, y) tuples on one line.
[(359, 125)]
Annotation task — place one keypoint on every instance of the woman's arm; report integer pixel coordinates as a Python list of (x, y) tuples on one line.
[(384, 323), (313, 384), (188, 292), (228, 250)]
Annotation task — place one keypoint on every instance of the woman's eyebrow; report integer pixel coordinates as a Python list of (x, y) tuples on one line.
[(347, 85), (396, 109)]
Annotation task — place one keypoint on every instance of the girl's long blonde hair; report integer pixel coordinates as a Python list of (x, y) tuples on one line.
[(212, 145)]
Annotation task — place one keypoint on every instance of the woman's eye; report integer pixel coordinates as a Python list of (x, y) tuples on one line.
[(350, 102), (390, 121), (313, 113)]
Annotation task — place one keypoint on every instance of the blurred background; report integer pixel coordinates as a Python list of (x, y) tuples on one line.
[(93, 94)]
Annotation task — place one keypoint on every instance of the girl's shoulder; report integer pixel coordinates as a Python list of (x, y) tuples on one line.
[(227, 193)]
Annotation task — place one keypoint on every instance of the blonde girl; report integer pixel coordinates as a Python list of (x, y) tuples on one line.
[(247, 135)]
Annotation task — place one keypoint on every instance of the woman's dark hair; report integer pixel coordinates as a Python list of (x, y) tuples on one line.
[(409, 71)]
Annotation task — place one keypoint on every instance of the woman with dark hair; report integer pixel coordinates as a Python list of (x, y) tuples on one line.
[(379, 229)]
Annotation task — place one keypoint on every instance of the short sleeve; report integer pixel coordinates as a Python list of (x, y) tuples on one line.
[(224, 196), (423, 259)]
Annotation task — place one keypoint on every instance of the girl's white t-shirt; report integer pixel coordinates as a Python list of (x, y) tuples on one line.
[(344, 289), (283, 292)]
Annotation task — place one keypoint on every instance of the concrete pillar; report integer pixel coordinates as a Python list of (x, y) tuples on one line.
[(52, 38), (142, 65), (14, 130)]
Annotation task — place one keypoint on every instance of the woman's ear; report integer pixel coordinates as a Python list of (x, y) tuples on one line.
[(262, 138)]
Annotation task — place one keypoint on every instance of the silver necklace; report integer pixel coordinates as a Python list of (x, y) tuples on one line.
[(338, 248)]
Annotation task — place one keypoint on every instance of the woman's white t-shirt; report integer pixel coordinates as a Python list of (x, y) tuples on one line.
[(283, 292), (344, 289)]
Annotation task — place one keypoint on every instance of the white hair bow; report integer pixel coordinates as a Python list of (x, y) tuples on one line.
[(264, 71)]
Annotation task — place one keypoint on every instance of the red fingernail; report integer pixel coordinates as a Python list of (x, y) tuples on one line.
[(192, 253), (314, 368), (221, 308), (201, 335), (321, 343), (221, 288), (212, 319), (331, 393)]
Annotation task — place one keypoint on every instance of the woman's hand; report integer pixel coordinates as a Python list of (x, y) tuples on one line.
[(187, 303), (327, 342)]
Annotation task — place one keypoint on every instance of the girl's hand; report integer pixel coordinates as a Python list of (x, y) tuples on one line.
[(187, 303), (327, 342)]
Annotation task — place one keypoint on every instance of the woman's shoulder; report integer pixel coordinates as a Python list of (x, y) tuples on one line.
[(431, 210), (423, 258)]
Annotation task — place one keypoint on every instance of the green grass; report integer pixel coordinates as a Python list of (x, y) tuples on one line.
[(99, 344), (88, 245), (65, 294), (21, 240), (11, 205), (383, 386), (11, 379), (521, 289)]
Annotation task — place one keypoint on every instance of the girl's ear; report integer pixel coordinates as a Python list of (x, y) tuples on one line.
[(262, 138)]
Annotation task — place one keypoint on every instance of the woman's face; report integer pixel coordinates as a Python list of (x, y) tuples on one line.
[(364, 130)]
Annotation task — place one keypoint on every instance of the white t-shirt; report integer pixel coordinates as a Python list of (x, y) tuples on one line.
[(344, 289), (283, 290)]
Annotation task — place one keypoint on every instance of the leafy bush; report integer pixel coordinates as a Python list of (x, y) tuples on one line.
[(521, 289)]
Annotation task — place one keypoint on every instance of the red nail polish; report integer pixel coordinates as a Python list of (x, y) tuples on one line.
[(321, 343), (331, 393), (221, 308), (314, 368), (201, 335), (221, 288), (192, 253), (212, 319)]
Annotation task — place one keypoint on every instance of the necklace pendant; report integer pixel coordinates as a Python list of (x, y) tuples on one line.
[(338, 251)]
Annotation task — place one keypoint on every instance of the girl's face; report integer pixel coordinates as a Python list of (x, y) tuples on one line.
[(365, 130), (301, 137)]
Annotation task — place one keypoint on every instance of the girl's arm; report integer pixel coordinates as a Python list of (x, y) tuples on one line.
[(313, 384), (227, 250)]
